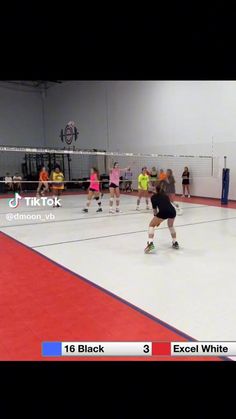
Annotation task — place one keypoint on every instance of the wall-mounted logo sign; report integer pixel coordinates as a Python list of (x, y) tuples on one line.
[(69, 133)]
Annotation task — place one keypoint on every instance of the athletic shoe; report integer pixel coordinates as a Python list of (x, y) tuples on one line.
[(149, 247), (111, 211), (147, 208), (175, 245), (85, 210), (99, 210), (183, 196), (189, 196), (117, 210), (137, 209)]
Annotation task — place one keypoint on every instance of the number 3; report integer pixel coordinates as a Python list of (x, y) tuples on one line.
[(146, 349)]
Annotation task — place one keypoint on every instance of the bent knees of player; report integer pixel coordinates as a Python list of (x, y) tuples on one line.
[(155, 222)]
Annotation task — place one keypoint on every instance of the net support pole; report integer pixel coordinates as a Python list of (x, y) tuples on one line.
[(225, 183)]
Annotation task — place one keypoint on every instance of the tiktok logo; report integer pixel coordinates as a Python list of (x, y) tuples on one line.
[(14, 202)]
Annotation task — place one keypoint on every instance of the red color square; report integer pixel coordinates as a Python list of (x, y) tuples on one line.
[(161, 348)]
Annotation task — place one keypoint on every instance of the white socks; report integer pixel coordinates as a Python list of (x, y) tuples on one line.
[(151, 231)]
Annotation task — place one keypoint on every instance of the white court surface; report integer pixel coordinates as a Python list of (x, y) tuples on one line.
[(193, 289)]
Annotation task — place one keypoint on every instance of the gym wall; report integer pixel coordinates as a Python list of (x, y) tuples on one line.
[(21, 123), (82, 102), (21, 119), (183, 117)]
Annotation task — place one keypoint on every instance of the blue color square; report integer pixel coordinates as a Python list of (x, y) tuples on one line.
[(51, 348)]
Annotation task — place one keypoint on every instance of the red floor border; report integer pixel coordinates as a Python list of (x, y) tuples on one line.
[(133, 307)]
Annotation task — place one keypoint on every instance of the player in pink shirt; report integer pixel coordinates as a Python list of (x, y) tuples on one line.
[(114, 183), (94, 190)]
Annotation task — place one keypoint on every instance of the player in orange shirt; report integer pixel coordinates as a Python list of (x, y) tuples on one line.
[(43, 182), (162, 175)]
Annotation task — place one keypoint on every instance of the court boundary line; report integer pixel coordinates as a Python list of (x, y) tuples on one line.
[(127, 233), (111, 294)]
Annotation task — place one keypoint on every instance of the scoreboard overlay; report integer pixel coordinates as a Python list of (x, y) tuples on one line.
[(145, 349)]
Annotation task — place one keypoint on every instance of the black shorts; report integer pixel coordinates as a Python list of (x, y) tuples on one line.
[(112, 185), (165, 215), (185, 182), (93, 190)]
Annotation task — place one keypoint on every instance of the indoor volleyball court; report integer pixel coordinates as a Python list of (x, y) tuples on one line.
[(73, 276)]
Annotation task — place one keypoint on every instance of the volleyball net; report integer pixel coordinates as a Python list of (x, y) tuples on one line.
[(26, 162)]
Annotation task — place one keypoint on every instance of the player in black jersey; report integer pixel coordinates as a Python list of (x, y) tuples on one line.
[(162, 210)]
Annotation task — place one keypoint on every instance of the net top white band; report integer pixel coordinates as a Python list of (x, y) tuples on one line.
[(90, 152)]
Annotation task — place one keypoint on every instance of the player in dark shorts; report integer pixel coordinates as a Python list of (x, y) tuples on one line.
[(185, 182), (162, 210)]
